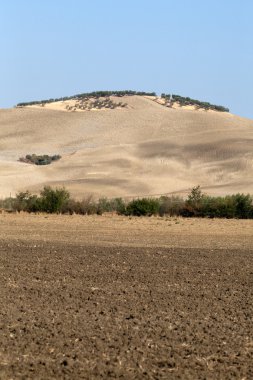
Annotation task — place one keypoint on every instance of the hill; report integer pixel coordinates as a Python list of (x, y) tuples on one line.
[(133, 145)]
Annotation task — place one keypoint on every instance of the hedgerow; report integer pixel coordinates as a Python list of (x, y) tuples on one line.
[(197, 204)]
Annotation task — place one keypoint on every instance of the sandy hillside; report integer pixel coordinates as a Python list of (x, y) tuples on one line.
[(140, 148)]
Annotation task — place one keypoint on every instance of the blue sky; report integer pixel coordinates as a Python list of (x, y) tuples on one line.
[(196, 48)]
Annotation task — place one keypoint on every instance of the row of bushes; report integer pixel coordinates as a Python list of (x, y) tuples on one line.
[(44, 159), (94, 94), (186, 101), (197, 204)]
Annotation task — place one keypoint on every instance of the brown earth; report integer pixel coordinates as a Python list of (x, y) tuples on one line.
[(125, 298), (141, 149)]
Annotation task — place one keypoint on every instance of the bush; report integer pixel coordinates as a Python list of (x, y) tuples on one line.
[(8, 203), (243, 206), (171, 205), (143, 207), (25, 201), (54, 201), (118, 205), (88, 206), (111, 205), (217, 207), (230, 206)]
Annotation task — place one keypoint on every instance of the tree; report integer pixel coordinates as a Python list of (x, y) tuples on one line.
[(195, 197)]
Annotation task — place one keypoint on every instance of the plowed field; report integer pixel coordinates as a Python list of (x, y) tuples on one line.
[(112, 297)]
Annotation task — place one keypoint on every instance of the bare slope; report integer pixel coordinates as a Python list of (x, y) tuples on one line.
[(144, 148)]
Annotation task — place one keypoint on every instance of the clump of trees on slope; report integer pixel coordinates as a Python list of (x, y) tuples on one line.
[(186, 101), (44, 159), (95, 103)]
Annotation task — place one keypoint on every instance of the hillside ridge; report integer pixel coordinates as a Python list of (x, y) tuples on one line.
[(141, 148)]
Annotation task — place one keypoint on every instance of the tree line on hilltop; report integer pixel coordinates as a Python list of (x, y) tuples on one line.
[(183, 101)]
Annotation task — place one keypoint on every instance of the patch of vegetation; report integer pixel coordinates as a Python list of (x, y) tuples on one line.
[(44, 159), (186, 101), (197, 204), (49, 201), (238, 206), (143, 207), (94, 94)]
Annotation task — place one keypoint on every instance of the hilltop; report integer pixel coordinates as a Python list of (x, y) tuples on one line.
[(126, 146)]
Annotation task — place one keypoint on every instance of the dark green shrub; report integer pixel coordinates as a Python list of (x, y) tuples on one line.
[(143, 207), (54, 200), (243, 206), (217, 207)]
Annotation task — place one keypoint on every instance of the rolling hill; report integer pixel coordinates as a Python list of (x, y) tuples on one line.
[(137, 146)]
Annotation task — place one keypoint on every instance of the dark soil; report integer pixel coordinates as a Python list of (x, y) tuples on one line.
[(80, 312)]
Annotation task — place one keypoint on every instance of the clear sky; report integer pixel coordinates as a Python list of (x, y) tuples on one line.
[(197, 48)]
